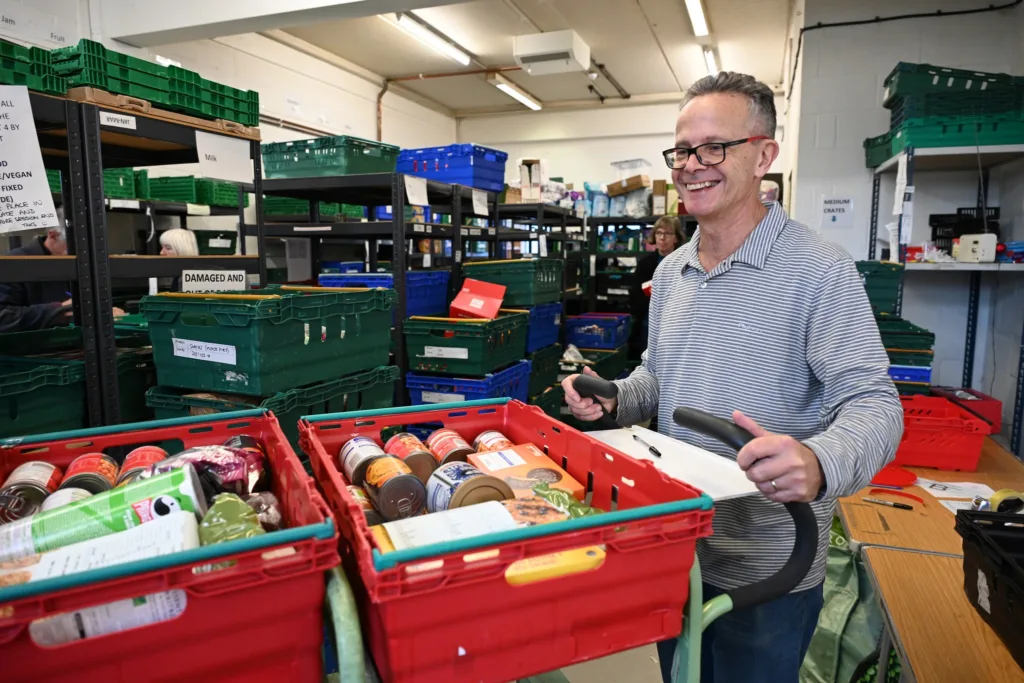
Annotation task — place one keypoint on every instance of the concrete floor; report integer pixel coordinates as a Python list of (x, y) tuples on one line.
[(633, 666)]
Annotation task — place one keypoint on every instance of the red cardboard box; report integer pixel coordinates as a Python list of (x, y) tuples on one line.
[(477, 300)]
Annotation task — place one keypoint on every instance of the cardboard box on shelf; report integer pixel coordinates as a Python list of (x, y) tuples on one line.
[(621, 187), (532, 174), (672, 202), (523, 467), (513, 195), (477, 300), (659, 198)]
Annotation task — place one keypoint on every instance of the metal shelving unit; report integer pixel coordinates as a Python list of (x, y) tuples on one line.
[(956, 159), (565, 236)]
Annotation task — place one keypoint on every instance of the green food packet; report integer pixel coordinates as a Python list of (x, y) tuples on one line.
[(228, 519), (564, 501)]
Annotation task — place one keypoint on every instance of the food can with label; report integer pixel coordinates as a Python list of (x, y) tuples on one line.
[(448, 446), (104, 513), (373, 518), (25, 489), (457, 484), (491, 440), (139, 460), (63, 497), (396, 492), (356, 455), (94, 472), (413, 453)]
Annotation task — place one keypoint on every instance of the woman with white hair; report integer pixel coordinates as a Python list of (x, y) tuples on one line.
[(178, 242)]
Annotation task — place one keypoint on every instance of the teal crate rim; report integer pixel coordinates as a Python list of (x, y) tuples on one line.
[(404, 410)]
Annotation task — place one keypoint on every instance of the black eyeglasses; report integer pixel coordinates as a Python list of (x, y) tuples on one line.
[(708, 154)]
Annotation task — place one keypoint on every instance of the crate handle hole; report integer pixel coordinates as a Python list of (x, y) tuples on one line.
[(239, 425), (608, 457), (459, 413), (200, 430), (327, 428), (423, 567), (482, 555), (360, 423), (628, 482), (80, 444)]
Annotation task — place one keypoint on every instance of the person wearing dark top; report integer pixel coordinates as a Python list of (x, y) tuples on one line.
[(666, 236), (36, 305)]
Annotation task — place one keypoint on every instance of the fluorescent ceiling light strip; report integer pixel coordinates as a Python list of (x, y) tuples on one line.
[(427, 37), (512, 92), (709, 59), (697, 18)]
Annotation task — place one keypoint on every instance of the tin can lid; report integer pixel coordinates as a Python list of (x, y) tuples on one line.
[(480, 490)]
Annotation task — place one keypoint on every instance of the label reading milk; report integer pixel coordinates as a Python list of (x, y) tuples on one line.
[(500, 460), (446, 352), (198, 350), (439, 397)]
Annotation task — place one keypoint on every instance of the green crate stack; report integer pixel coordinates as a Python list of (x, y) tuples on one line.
[(607, 364), (528, 282), (216, 242), (119, 183), (142, 184), (286, 206), (465, 347), (174, 189), (219, 193), (882, 281), (328, 156), (31, 67), (941, 107), (907, 344), (544, 368), (53, 180)]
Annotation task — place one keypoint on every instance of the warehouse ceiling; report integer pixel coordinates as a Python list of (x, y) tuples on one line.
[(646, 46)]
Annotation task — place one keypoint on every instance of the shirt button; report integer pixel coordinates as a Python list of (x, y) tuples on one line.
[(703, 285)]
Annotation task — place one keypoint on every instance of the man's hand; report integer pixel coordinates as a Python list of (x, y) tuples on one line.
[(784, 469), (118, 313), (586, 409)]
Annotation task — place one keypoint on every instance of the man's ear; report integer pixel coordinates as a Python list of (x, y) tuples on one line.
[(767, 155)]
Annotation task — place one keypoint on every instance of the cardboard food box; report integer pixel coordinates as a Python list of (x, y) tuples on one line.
[(523, 467), (477, 299), (621, 187), (659, 198), (513, 195)]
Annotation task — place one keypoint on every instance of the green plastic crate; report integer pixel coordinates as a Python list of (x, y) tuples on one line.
[(95, 78), (917, 359), (185, 82), (328, 156), (528, 282), (913, 388), (20, 53), (155, 96), (956, 105), (216, 242), (137, 64), (882, 282), (544, 371), (921, 79), (455, 346), (278, 276), (368, 390), (84, 47), (142, 184), (53, 179), (351, 211), (119, 183), (286, 206), (266, 341), (550, 400), (218, 193), (28, 68), (38, 397), (903, 335), (607, 364), (149, 80), (54, 85), (174, 189)]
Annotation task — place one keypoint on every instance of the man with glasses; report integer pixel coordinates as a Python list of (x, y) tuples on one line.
[(759, 319)]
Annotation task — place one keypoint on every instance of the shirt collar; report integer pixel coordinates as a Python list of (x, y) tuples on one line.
[(755, 249)]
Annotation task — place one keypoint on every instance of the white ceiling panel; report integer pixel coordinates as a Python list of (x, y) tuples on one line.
[(751, 36)]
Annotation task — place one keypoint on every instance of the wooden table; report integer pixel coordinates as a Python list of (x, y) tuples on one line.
[(929, 526), (939, 635)]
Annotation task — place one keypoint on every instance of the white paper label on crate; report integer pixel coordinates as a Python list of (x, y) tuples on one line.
[(480, 203), (198, 350), (220, 243), (441, 397), (542, 242), (445, 352), (458, 256), (153, 286), (315, 228), (123, 204), (593, 265), (901, 184), (474, 231), (419, 228), (213, 280), (223, 158), (197, 209), (25, 199), (416, 191), (450, 525), (113, 120), (427, 260), (476, 303), (836, 212), (620, 292)]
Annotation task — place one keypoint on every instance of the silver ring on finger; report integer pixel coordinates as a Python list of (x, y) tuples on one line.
[(775, 487)]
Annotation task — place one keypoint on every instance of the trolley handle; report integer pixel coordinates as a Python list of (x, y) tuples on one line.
[(588, 386), (805, 546)]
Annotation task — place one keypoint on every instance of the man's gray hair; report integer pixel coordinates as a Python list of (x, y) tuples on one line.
[(762, 100)]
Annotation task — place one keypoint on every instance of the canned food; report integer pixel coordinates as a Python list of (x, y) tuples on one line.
[(448, 446), (373, 517), (26, 488), (412, 452), (356, 455), (491, 441), (63, 497), (142, 458), (396, 492), (94, 472), (458, 484)]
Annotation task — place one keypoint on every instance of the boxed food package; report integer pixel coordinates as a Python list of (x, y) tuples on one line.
[(621, 187), (477, 299), (600, 205), (659, 198), (617, 206), (523, 467)]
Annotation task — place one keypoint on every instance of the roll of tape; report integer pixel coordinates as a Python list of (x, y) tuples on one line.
[(1007, 500)]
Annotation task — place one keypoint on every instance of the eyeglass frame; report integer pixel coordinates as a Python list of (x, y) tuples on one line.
[(693, 151)]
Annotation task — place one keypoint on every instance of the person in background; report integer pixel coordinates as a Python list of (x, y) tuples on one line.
[(178, 242), (666, 236), (37, 305), (758, 319)]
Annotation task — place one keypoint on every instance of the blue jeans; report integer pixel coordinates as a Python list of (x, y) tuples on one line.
[(762, 644)]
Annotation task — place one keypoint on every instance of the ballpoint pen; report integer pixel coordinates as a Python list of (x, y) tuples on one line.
[(653, 451), (879, 501)]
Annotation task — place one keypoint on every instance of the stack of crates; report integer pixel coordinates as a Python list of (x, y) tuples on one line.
[(460, 164), (911, 352), (327, 156), (286, 206), (933, 106), (882, 280), (194, 190), (168, 87), (31, 67), (297, 351)]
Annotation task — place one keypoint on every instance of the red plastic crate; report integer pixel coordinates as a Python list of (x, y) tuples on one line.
[(258, 620), (987, 408), (938, 433), (446, 614)]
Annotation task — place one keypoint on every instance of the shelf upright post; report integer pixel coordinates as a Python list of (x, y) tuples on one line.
[(314, 243), (455, 278), (257, 200), (900, 252), (97, 235), (82, 289), (1018, 405), (589, 268), (876, 187), (492, 245), (398, 266), (975, 294)]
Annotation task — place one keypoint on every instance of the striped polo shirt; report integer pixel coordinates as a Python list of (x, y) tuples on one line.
[(783, 331)]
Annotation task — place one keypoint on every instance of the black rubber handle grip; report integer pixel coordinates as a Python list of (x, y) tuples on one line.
[(588, 386), (805, 546)]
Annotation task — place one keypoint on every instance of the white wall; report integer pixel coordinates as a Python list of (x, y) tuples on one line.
[(840, 90)]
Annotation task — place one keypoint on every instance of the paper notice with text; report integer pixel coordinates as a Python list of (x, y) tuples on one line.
[(25, 199)]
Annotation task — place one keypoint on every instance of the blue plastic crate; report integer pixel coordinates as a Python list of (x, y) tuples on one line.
[(512, 382), (336, 267), (910, 373), (543, 326), (462, 164), (598, 330), (426, 291)]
